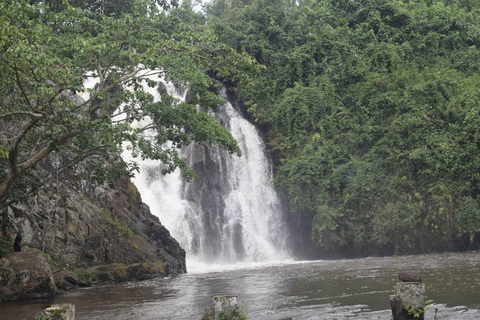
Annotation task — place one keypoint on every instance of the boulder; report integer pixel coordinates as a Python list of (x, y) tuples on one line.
[(162, 88), (189, 97), (409, 277), (26, 275), (66, 280)]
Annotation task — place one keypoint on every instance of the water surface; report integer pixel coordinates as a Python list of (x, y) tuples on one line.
[(332, 289)]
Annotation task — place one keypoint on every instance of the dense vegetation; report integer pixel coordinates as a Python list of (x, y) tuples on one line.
[(372, 110), (49, 48)]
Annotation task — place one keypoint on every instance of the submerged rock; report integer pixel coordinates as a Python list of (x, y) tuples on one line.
[(25, 275)]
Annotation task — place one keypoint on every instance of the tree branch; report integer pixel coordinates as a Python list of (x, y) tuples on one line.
[(27, 113), (45, 151), (22, 89)]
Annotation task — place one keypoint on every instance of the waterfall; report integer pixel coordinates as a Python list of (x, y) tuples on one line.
[(230, 213)]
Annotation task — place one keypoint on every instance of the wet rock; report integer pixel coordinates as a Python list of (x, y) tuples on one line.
[(180, 88), (120, 273), (189, 97), (409, 277), (26, 275), (162, 88), (397, 308), (107, 226), (409, 302), (144, 271), (66, 280)]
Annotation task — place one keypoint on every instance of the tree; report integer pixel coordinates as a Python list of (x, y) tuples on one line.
[(48, 49), (371, 111)]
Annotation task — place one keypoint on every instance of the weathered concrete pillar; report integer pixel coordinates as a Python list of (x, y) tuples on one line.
[(409, 302), (224, 304), (64, 311)]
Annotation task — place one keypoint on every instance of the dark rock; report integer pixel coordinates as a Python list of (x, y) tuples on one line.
[(189, 97), (180, 88), (216, 86), (120, 273), (76, 100), (397, 308), (161, 88), (409, 277), (25, 275), (67, 280)]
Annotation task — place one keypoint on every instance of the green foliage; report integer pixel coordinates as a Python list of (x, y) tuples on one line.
[(418, 312), (85, 274), (371, 110), (48, 49), (119, 272), (468, 218), (56, 315), (415, 312), (235, 313), (42, 316)]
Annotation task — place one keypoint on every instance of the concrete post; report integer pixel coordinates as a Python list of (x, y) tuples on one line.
[(224, 304), (64, 311), (409, 302)]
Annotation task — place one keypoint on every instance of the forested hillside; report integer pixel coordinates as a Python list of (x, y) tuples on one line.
[(371, 109)]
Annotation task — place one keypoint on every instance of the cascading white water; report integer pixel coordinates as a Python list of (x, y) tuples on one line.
[(230, 213)]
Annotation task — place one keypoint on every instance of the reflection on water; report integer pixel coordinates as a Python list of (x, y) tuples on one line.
[(335, 289)]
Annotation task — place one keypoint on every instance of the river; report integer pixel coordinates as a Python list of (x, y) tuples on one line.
[(324, 289)]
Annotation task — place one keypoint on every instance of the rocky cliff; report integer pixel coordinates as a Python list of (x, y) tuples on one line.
[(92, 233)]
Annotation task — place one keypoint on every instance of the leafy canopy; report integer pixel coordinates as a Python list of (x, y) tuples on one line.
[(372, 110), (49, 48)]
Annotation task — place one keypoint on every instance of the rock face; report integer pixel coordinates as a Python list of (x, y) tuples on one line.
[(106, 226), (82, 224), (87, 225), (26, 275), (103, 226)]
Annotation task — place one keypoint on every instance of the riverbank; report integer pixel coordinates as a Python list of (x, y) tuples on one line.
[(32, 275)]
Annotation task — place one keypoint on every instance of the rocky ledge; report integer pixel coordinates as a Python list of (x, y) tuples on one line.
[(88, 234), (26, 275)]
